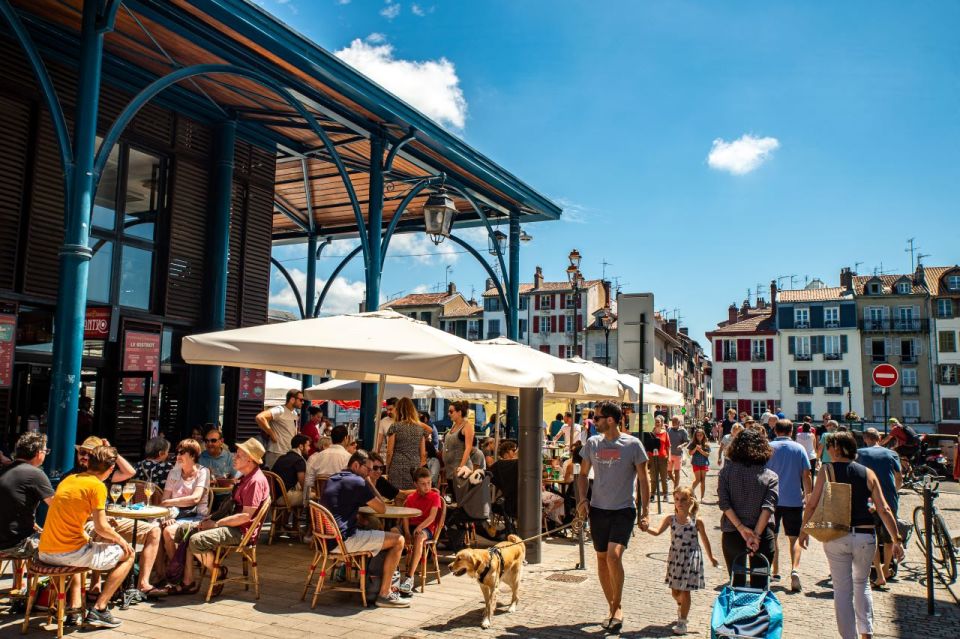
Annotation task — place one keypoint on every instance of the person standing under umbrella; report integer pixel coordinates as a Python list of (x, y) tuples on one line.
[(406, 445)]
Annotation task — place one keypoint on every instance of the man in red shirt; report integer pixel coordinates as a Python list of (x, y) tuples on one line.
[(312, 429), (659, 457), (428, 502), (904, 444)]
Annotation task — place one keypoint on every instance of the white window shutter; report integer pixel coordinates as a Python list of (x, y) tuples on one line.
[(896, 347), (888, 346), (917, 346)]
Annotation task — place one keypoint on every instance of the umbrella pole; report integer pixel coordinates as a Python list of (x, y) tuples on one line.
[(496, 429), (381, 384), (576, 497)]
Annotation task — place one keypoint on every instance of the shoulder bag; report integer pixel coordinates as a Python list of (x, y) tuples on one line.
[(831, 519)]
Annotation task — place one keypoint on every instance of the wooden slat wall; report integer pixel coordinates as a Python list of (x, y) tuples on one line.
[(14, 139), (188, 236), (45, 234), (255, 295)]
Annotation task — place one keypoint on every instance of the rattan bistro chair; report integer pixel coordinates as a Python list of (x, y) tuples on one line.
[(325, 531), (282, 509), (247, 549), (430, 548), (59, 577)]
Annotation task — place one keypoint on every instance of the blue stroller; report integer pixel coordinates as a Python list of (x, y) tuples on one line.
[(747, 612)]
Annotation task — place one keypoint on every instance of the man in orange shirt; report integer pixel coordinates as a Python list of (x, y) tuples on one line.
[(64, 541)]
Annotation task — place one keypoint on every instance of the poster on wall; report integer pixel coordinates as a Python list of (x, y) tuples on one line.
[(141, 352), (8, 335), (253, 383)]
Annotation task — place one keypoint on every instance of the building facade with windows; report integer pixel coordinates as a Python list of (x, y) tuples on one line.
[(893, 312), (943, 284), (746, 361), (821, 367), (430, 308)]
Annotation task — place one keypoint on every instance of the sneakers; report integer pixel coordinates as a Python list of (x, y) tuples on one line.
[(71, 620), (795, 582), (100, 619), (406, 586), (393, 600), (680, 628), (775, 578)]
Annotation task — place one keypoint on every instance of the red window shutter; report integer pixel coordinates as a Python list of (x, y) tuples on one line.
[(743, 350), (730, 379), (579, 322), (545, 349), (770, 349), (560, 352), (743, 406), (536, 323), (553, 323), (536, 302), (718, 412), (578, 302), (718, 350)]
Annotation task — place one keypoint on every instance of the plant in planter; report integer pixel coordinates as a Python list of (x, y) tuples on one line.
[(851, 416)]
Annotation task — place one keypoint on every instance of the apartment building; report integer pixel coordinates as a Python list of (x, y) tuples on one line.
[(943, 284), (430, 308), (746, 365), (895, 326), (819, 339)]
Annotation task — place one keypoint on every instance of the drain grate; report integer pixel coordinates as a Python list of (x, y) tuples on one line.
[(567, 579)]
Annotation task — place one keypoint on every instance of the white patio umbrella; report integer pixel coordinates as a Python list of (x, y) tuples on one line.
[(630, 385), (350, 390), (278, 385)]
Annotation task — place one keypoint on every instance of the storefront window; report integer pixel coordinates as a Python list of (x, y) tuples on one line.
[(136, 273), (142, 201), (101, 265), (105, 201)]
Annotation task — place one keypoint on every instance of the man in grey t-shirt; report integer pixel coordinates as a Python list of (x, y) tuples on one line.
[(618, 462), (678, 440)]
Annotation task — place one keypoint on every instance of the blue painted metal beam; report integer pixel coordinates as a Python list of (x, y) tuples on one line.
[(483, 216), (513, 312), (333, 276), (293, 286), (486, 265), (293, 217), (388, 164), (388, 235)]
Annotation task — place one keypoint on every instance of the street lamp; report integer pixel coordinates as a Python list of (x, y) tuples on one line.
[(497, 242), (606, 320), (525, 237), (574, 260), (438, 214), (576, 283)]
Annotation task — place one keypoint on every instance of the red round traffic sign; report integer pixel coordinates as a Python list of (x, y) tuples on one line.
[(885, 375)]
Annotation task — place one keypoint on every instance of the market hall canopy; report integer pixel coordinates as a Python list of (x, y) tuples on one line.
[(349, 390), (152, 38)]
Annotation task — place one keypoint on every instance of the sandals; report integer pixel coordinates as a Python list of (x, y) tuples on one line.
[(181, 589), (218, 589)]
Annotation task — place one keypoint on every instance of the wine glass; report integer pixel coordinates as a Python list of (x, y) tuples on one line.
[(148, 489), (129, 490), (115, 491)]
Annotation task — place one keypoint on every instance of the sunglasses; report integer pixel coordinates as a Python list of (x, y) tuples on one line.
[(451, 412), (211, 441), (377, 468), (183, 451)]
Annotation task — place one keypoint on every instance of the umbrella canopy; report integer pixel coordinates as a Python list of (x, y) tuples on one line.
[(278, 385), (630, 385), (364, 346), (350, 389)]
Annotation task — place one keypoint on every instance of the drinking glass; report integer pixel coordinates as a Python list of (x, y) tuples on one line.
[(148, 490), (115, 491), (129, 490)]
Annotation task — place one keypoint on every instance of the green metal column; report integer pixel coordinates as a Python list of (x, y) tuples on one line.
[(310, 291), (205, 380), (513, 312), (369, 411), (75, 253)]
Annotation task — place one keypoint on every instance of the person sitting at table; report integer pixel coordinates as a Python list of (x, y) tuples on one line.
[(292, 468), (328, 461), (504, 475), (323, 443), (185, 493), (216, 456), (148, 532), (312, 428), (382, 484), (488, 448), (417, 530), (157, 463), (248, 495), (65, 542), (564, 432), (23, 485), (343, 495), (434, 464)]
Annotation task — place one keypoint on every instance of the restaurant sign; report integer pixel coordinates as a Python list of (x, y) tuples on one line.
[(96, 323), (252, 383), (8, 336), (141, 352)]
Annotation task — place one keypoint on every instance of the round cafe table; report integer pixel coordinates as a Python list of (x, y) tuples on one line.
[(393, 512), (221, 490), (145, 513)]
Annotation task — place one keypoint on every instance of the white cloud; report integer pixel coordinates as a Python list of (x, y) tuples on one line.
[(375, 38), (418, 10), (574, 212), (432, 86), (391, 11), (343, 1), (344, 295), (742, 155)]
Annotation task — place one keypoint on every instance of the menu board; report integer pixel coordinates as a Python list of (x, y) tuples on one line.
[(252, 383), (141, 352), (8, 335)]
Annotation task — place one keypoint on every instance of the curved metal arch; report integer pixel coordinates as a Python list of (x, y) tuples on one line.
[(385, 242), (46, 88), (388, 163), (160, 84), (326, 287), (293, 286), (490, 271), (483, 216)]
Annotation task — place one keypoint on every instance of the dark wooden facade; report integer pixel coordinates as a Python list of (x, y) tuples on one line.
[(31, 234)]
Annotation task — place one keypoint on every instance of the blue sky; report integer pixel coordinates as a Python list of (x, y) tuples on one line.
[(700, 148)]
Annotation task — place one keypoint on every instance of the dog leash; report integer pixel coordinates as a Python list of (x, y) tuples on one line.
[(576, 525)]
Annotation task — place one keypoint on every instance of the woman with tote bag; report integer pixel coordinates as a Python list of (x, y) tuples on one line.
[(852, 536)]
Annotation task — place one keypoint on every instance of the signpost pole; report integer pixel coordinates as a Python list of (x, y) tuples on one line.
[(886, 411)]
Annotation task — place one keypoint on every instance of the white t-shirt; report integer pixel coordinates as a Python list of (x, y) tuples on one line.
[(807, 441), (284, 425), (382, 429), (180, 487)]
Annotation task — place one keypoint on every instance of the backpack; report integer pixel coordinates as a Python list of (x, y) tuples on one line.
[(913, 439), (374, 577)]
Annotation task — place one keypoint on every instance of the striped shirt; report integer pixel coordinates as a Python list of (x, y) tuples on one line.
[(746, 490)]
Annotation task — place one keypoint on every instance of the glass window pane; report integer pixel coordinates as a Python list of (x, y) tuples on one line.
[(142, 194), (101, 269), (136, 275), (105, 201)]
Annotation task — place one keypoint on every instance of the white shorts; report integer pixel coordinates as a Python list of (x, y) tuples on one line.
[(95, 556), (365, 541)]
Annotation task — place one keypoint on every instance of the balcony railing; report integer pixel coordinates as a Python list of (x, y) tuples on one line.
[(833, 356), (945, 315), (758, 357), (877, 390), (831, 324), (911, 389), (471, 335), (877, 358), (804, 390), (895, 325), (803, 357), (493, 334), (801, 324), (908, 359), (833, 390)]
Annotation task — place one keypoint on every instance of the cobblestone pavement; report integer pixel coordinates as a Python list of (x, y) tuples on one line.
[(548, 607)]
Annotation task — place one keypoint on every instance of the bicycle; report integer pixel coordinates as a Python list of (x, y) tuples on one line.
[(944, 550)]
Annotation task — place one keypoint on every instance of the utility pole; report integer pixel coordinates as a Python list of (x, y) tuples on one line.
[(605, 265), (910, 249), (856, 267)]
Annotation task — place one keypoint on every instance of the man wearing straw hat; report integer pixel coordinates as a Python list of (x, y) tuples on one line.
[(228, 526)]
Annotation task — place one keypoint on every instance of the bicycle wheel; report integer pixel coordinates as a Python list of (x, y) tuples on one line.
[(944, 544), (918, 527)]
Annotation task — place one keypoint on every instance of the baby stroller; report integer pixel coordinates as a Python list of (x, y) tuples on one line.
[(473, 507), (747, 612)]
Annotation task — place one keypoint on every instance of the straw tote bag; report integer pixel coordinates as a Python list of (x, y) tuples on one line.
[(831, 519)]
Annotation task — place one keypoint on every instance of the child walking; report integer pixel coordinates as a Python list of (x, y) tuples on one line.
[(699, 450), (685, 562)]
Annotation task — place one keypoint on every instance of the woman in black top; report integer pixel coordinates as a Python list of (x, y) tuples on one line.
[(747, 492), (851, 556)]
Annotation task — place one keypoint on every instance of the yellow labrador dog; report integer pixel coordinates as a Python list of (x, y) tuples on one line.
[(503, 562)]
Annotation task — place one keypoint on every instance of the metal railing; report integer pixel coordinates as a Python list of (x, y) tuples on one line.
[(833, 390), (803, 357), (896, 325), (758, 357), (801, 324), (833, 356), (911, 389), (908, 359), (804, 390), (878, 359), (831, 324)]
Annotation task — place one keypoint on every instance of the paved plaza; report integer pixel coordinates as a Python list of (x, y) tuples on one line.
[(556, 600)]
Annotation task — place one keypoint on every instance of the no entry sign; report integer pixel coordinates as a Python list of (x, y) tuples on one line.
[(885, 375)]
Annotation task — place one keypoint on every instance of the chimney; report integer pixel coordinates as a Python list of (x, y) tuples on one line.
[(538, 278), (761, 303), (685, 331), (490, 284), (606, 293), (918, 276), (472, 302), (451, 288), (744, 308), (846, 278), (773, 296), (732, 314), (672, 327)]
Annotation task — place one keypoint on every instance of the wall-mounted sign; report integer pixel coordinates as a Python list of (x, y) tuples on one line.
[(141, 352), (8, 342), (252, 383), (96, 323)]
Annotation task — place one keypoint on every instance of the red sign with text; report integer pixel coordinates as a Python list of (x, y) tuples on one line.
[(252, 383), (8, 343), (96, 323), (141, 352), (885, 375)]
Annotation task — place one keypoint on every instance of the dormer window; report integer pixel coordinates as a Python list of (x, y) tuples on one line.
[(874, 288), (903, 288), (953, 282), (801, 317)]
